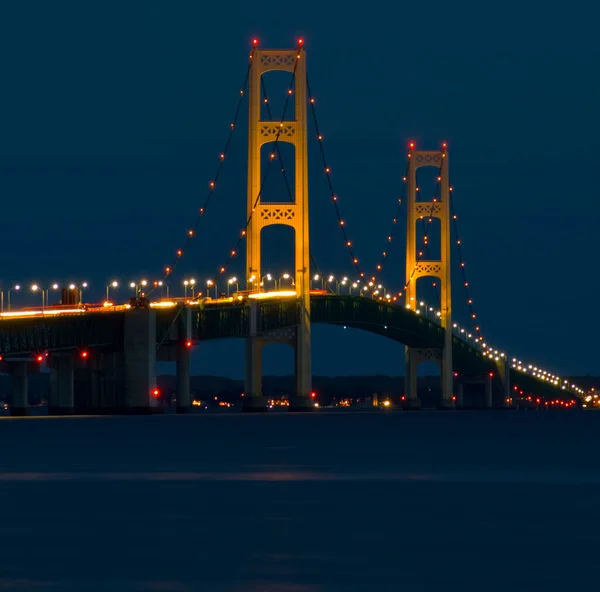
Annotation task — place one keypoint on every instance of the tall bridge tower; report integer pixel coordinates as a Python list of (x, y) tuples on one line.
[(293, 214), (416, 267)]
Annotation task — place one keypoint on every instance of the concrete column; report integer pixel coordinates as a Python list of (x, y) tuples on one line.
[(62, 388), (410, 379), (182, 364), (504, 372), (460, 394), (253, 397), (18, 373), (140, 361), (302, 401), (488, 391)]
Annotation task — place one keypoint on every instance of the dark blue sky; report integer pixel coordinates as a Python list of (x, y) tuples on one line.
[(113, 118)]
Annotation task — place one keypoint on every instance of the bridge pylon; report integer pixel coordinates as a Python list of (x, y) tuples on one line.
[(417, 267), (294, 214)]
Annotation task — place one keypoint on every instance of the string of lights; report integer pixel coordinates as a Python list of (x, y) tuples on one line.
[(233, 252), (283, 169), (394, 226), (213, 183), (463, 270), (334, 198)]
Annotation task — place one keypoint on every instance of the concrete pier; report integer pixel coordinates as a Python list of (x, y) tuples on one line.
[(182, 365), (487, 403), (62, 383), (140, 362)]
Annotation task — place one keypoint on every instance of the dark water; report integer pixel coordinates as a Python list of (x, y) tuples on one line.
[(299, 503)]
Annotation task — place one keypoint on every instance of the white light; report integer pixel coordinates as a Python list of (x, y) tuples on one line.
[(114, 284), (131, 285), (143, 282), (286, 276), (315, 277), (55, 286), (84, 285), (35, 288), (73, 286)]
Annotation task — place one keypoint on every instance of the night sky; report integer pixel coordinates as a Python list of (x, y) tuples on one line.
[(113, 118)]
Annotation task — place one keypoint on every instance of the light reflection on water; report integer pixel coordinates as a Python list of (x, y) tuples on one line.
[(300, 504)]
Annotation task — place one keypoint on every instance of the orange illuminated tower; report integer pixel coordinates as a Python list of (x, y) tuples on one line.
[(293, 214), (417, 267)]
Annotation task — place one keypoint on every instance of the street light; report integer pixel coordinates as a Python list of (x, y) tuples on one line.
[(250, 280), (191, 283), (285, 276), (36, 288), (316, 278), (160, 284), (230, 282), (210, 283), (16, 287), (136, 286), (330, 279), (54, 287), (113, 284), (269, 278)]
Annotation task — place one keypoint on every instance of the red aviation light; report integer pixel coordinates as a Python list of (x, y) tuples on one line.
[(39, 358), (188, 344), (156, 392), (411, 145), (84, 354), (255, 42), (313, 394), (444, 145), (300, 41)]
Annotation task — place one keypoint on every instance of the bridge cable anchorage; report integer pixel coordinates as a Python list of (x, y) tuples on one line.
[(334, 197), (463, 270), (288, 186), (243, 232), (212, 184)]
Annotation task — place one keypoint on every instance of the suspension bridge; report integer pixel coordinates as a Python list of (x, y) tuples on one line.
[(102, 357)]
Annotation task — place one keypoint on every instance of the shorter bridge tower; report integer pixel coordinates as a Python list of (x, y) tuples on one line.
[(417, 267), (294, 214)]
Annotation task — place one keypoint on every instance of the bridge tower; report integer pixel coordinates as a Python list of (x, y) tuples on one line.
[(416, 267), (293, 214)]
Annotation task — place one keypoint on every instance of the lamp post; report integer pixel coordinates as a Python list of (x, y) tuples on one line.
[(230, 282), (16, 287), (210, 283), (188, 283), (285, 276), (269, 278), (250, 282), (316, 278), (352, 285), (137, 286), (330, 280), (36, 288), (113, 284), (160, 284), (54, 287)]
